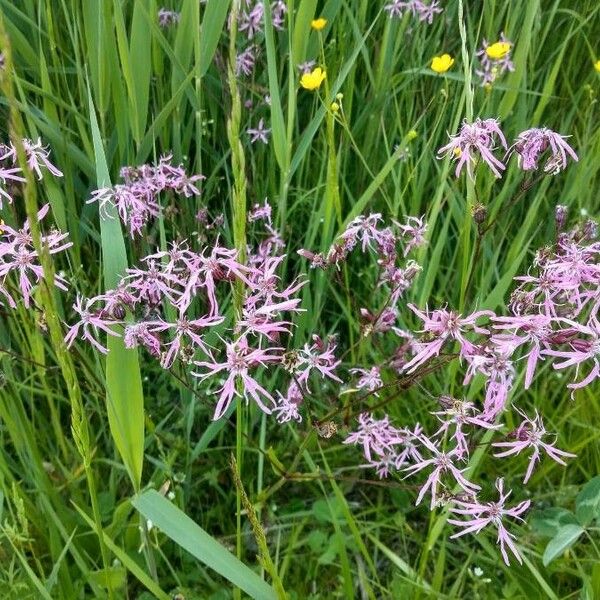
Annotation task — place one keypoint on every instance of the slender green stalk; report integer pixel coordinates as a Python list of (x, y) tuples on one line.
[(238, 205)]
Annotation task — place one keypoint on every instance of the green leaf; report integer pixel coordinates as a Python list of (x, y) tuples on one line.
[(565, 538), (140, 54), (277, 123), (175, 524), (587, 505), (547, 522), (210, 31), (124, 395)]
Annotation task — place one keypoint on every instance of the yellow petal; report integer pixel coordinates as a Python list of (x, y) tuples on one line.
[(498, 50), (318, 24)]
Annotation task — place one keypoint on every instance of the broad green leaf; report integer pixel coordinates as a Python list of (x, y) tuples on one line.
[(564, 538), (176, 525), (124, 395), (587, 505), (547, 522)]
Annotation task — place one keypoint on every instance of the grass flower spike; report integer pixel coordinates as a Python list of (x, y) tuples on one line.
[(313, 80)]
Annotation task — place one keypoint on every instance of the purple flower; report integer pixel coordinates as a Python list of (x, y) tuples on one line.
[(11, 174), (185, 329), (319, 357), (581, 350), (443, 464), (370, 379), (306, 67), (18, 256), (413, 232), (89, 323), (442, 325), (530, 434), (473, 141), (458, 414), (166, 17), (533, 331), (260, 134), (531, 145), (245, 61), (490, 513), (421, 10), (241, 358), (259, 213), (376, 436), (287, 408)]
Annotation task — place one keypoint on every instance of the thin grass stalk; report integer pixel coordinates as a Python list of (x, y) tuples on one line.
[(79, 425), (238, 206)]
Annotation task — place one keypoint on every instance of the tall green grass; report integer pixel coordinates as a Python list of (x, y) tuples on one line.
[(87, 442)]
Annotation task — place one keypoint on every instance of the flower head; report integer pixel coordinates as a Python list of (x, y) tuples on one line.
[(490, 513), (474, 141), (440, 64), (533, 143), (318, 24), (530, 434), (498, 50), (597, 66), (313, 80)]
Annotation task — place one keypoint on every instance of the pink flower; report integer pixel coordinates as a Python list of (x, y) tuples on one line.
[(581, 350), (531, 145), (240, 360), (259, 134), (458, 414), (473, 141), (370, 379), (287, 408), (89, 323), (318, 357), (443, 464), (530, 434), (413, 232), (376, 436), (490, 513), (443, 325), (185, 330), (532, 330)]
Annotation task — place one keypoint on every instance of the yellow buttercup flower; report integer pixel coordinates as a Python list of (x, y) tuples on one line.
[(411, 135), (597, 66), (318, 24), (440, 64), (313, 80), (498, 50)]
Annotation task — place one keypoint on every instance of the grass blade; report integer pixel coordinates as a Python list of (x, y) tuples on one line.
[(191, 537)]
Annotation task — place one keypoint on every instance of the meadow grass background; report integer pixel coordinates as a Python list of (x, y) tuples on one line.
[(105, 86)]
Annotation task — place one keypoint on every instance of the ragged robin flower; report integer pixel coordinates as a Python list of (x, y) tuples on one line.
[(440, 64), (313, 80)]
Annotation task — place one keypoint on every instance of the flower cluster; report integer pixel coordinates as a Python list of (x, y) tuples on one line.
[(38, 159), (477, 141), (20, 262), (137, 199), (424, 11)]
